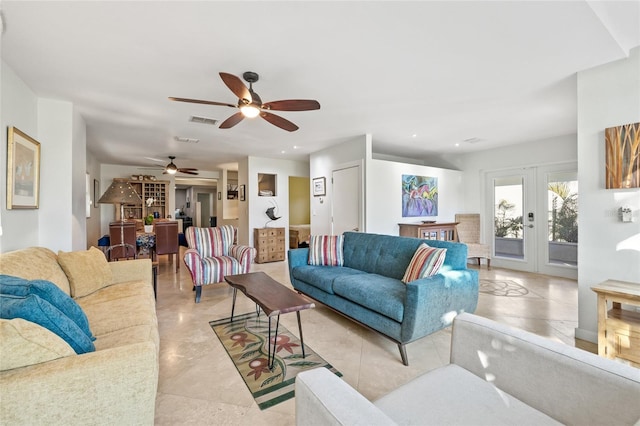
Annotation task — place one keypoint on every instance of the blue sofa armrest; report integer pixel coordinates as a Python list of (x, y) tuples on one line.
[(297, 257), (432, 303)]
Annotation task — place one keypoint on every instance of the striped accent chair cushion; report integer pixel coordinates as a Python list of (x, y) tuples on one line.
[(426, 262), (211, 242), (326, 250)]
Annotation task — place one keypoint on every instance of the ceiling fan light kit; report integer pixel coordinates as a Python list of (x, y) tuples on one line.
[(172, 169), (251, 105)]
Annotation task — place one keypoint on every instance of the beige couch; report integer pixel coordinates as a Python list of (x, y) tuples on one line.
[(116, 384), (498, 375)]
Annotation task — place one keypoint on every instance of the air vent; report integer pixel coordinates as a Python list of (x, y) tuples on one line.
[(203, 120), (473, 140), (186, 140)]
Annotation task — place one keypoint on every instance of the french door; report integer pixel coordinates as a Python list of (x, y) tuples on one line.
[(531, 219)]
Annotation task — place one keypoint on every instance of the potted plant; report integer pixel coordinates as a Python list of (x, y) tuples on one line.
[(148, 223)]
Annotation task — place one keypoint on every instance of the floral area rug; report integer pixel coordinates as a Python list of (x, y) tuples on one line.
[(245, 340)]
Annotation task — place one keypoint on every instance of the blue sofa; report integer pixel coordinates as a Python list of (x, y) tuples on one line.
[(368, 288)]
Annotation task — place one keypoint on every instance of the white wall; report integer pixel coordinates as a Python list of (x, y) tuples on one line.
[(59, 222), (608, 95), (475, 165), (322, 163), (19, 109), (384, 194), (256, 205)]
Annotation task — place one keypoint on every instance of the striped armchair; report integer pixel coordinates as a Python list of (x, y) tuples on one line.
[(212, 254)]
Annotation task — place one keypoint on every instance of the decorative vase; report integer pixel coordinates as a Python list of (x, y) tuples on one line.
[(148, 228)]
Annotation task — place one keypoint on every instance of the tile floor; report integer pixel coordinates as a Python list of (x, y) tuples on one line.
[(200, 385)]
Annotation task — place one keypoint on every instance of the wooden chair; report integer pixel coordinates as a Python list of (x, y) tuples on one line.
[(167, 240), (122, 248), (468, 230)]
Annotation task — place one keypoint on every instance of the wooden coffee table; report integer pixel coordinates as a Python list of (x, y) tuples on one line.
[(273, 298)]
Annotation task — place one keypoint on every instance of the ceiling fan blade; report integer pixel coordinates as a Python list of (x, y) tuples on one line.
[(187, 172), (236, 86), (278, 121), (191, 169), (198, 101), (293, 105), (232, 121)]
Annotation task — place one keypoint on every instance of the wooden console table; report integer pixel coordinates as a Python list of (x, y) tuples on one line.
[(445, 231), (618, 328)]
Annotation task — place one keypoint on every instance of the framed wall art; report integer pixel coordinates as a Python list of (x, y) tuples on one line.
[(96, 193), (242, 193), (419, 196), (23, 170), (319, 187), (622, 156)]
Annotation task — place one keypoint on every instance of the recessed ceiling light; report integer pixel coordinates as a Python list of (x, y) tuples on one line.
[(414, 135), (295, 147), (457, 144)]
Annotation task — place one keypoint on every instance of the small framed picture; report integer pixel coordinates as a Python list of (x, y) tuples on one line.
[(319, 187), (23, 170), (242, 193), (96, 193)]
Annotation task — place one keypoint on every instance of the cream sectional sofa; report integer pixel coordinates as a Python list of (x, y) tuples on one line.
[(44, 381), (498, 375)]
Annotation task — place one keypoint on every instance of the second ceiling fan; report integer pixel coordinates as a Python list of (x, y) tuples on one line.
[(251, 105), (172, 169)]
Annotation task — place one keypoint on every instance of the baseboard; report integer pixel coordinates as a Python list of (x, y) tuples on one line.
[(588, 335)]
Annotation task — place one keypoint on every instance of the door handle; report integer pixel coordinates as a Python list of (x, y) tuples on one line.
[(530, 226)]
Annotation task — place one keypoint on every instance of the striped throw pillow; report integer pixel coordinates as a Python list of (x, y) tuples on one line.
[(326, 250), (426, 262)]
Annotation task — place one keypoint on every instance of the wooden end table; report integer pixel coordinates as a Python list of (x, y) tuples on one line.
[(273, 298)]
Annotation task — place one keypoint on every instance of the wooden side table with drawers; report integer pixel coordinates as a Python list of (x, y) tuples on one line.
[(619, 322), (269, 242)]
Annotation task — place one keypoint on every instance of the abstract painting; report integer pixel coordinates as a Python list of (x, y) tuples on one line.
[(419, 196), (622, 159)]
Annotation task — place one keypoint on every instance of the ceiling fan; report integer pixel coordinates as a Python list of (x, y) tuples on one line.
[(171, 168), (251, 105)]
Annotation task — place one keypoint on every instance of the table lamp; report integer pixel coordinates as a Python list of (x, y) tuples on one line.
[(120, 193)]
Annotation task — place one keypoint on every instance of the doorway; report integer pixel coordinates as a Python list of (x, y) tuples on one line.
[(532, 218), (347, 199), (204, 213)]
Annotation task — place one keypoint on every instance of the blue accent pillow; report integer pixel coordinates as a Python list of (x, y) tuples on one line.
[(37, 310), (50, 292)]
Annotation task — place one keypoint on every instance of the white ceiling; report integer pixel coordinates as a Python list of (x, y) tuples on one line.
[(502, 72)]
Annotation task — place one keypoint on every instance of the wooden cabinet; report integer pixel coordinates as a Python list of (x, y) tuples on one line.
[(158, 190), (445, 231), (269, 242), (618, 328)]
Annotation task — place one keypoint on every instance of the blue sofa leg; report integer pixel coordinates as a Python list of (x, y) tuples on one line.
[(403, 354), (198, 289)]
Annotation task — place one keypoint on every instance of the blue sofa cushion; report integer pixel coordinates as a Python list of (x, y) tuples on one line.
[(322, 277), (379, 254), (37, 310), (50, 292), (378, 293)]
